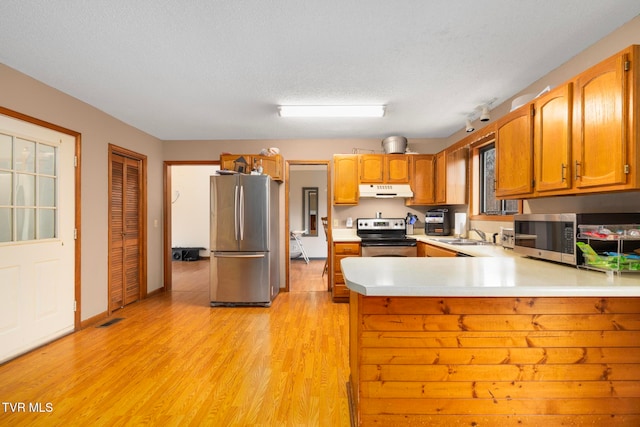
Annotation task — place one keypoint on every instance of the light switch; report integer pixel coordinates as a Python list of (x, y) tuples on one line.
[(336, 222), (155, 223)]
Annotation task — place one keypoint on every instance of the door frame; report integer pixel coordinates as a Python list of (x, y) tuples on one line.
[(167, 257), (142, 241), (287, 243), (77, 214)]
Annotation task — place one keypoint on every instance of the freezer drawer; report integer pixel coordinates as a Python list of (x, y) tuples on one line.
[(240, 278)]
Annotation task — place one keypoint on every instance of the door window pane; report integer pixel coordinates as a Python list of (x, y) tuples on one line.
[(6, 188), (46, 224), (46, 159), (6, 142), (5, 225), (25, 224), (25, 190), (24, 155), (46, 192)]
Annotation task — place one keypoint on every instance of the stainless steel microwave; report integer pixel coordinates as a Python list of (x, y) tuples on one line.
[(553, 237)]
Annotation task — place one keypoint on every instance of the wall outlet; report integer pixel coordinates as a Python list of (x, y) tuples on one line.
[(336, 223)]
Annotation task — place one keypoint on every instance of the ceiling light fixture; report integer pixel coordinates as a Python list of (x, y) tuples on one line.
[(331, 110), (469, 126), (485, 116)]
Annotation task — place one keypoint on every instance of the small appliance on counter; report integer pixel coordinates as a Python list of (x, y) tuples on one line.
[(508, 237), (410, 220), (436, 222)]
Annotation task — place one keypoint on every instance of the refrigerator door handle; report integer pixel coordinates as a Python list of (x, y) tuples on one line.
[(235, 212), (239, 256), (242, 212)]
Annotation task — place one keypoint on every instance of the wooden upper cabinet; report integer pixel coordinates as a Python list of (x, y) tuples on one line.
[(345, 179), (602, 138), (451, 176), (422, 179), (441, 178), (371, 168), (456, 186), (384, 168), (271, 165), (396, 168), (552, 139), (514, 153)]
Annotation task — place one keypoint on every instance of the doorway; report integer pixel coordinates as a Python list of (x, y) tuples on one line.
[(127, 227), (180, 200), (307, 202)]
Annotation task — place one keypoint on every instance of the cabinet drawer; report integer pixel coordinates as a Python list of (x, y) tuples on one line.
[(340, 291), (435, 251), (347, 248)]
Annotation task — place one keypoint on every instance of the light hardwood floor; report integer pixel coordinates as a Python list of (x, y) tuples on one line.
[(173, 360)]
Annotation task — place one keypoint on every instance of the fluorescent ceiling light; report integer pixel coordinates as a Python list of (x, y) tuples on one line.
[(331, 110)]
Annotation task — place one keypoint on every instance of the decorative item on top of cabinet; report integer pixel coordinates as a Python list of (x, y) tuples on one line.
[(341, 250), (384, 168), (422, 167), (271, 165), (451, 176), (514, 153), (606, 137), (345, 179), (552, 139)]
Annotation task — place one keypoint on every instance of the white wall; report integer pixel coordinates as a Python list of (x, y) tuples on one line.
[(190, 206)]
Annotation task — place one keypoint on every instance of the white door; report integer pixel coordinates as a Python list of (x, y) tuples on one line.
[(37, 248)]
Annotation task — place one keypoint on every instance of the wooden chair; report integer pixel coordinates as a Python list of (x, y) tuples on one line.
[(325, 225)]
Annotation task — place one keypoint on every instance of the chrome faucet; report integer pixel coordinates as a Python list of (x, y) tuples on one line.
[(481, 233)]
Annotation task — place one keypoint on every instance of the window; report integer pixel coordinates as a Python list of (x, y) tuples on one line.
[(483, 200), (28, 189)]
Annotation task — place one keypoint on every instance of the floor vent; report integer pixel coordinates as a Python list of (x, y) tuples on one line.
[(110, 322)]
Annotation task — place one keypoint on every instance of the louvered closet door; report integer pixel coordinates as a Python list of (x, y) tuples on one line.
[(124, 268)]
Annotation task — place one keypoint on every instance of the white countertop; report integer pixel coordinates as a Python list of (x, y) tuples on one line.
[(490, 271), (478, 277)]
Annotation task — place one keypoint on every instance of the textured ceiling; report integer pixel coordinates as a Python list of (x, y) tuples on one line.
[(206, 69)]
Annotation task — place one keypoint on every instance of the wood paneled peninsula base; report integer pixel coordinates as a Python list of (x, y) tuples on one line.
[(456, 360)]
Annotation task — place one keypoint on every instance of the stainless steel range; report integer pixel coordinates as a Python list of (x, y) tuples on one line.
[(385, 237)]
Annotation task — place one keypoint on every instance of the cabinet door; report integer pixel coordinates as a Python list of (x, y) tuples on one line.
[(271, 165), (456, 181), (514, 153), (441, 177), (422, 179), (396, 168), (371, 168), (600, 144), (436, 251), (552, 139), (345, 179)]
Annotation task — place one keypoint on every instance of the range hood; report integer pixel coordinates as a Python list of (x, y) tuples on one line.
[(385, 191)]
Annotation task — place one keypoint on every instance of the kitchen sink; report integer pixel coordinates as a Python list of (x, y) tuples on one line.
[(462, 242)]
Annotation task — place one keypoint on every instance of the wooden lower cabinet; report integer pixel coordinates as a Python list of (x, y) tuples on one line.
[(447, 361), (339, 291), (427, 250)]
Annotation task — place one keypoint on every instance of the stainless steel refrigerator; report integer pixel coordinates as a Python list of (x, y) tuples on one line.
[(244, 240)]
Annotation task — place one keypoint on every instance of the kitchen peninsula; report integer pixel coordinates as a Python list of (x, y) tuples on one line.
[(492, 341)]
